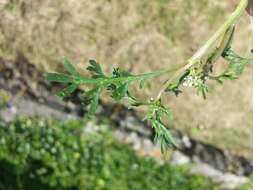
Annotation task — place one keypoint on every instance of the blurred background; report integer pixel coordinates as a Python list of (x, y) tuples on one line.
[(139, 36)]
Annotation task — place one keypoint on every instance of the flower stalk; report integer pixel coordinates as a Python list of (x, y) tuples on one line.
[(209, 45)]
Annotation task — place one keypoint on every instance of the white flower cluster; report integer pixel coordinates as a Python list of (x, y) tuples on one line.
[(190, 81)]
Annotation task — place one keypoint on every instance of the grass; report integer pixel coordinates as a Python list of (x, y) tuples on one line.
[(139, 36)]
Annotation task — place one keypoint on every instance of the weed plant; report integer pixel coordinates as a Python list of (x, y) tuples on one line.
[(194, 73)]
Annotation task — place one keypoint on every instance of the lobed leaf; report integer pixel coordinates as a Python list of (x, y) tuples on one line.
[(118, 83), (92, 99), (70, 68), (162, 134), (96, 69), (118, 73), (120, 92), (67, 91), (237, 63), (236, 66)]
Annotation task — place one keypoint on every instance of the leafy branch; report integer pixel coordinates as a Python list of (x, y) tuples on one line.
[(195, 73)]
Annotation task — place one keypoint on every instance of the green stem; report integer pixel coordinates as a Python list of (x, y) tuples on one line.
[(225, 43), (110, 80), (233, 19), (209, 45)]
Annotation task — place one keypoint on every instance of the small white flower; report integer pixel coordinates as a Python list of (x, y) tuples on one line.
[(185, 84), (192, 81), (188, 81)]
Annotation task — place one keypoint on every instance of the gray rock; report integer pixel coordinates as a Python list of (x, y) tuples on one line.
[(186, 141), (179, 158), (23, 107), (227, 180), (230, 181), (148, 146), (8, 114)]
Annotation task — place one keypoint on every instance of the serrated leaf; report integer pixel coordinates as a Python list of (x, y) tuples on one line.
[(69, 67), (92, 99), (67, 91), (118, 73), (162, 134), (237, 64), (202, 89), (238, 67), (166, 139), (55, 77), (120, 92), (96, 69)]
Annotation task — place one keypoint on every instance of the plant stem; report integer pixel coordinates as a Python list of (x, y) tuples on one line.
[(233, 19), (103, 81), (209, 45), (225, 43)]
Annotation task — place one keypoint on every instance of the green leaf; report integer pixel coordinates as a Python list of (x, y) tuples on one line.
[(174, 87), (67, 91), (162, 134), (55, 77), (165, 138), (96, 69), (237, 64), (69, 67), (120, 92), (118, 73), (166, 112), (202, 89), (118, 83), (92, 99)]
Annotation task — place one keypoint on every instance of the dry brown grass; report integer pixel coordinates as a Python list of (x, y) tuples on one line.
[(139, 36)]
